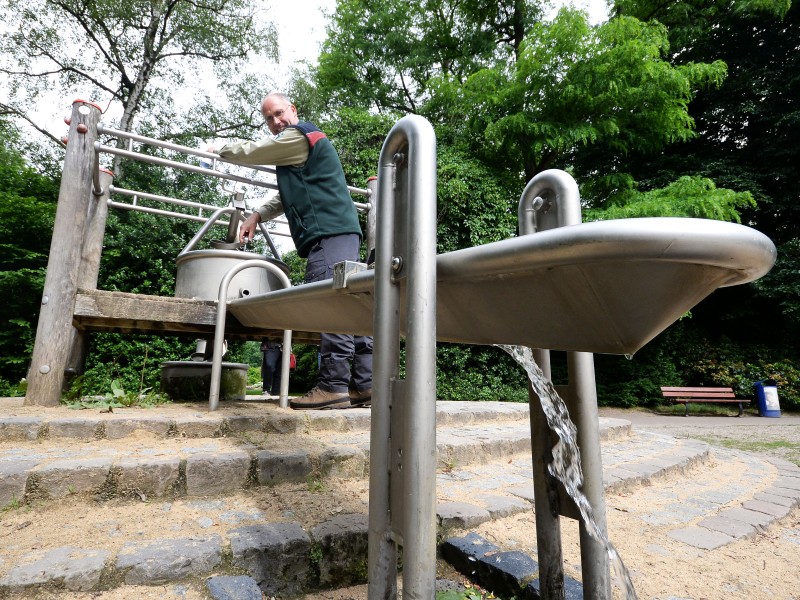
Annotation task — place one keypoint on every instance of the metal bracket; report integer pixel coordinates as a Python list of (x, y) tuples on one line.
[(343, 270)]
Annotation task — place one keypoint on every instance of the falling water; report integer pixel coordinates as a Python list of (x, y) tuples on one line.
[(566, 465)]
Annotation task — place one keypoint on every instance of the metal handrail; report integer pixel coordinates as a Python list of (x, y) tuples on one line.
[(200, 169)]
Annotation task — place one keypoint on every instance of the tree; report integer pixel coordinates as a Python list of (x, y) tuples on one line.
[(748, 140), (749, 127), (128, 56), (27, 210), (580, 94), (382, 54)]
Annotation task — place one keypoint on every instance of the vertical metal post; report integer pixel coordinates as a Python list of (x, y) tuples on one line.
[(283, 392), (409, 153), (582, 404), (219, 327), (382, 553), (545, 494), (551, 199), (54, 330), (372, 217)]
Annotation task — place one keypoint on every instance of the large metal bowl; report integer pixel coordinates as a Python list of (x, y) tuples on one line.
[(201, 271)]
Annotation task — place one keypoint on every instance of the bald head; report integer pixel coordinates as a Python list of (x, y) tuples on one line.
[(278, 111)]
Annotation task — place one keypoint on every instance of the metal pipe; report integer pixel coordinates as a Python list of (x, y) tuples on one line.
[(372, 221), (169, 213), (219, 329), (97, 187), (286, 355), (194, 152), (411, 148), (165, 162), (583, 408), (204, 229), (161, 212), (164, 199), (419, 539), (382, 554), (268, 237), (552, 199), (134, 137), (548, 521)]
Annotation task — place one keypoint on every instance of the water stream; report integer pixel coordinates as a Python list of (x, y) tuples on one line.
[(566, 465)]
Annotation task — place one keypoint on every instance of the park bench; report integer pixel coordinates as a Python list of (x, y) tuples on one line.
[(684, 395)]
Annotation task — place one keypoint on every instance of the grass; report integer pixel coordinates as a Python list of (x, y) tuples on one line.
[(781, 448), (473, 593), (117, 398)]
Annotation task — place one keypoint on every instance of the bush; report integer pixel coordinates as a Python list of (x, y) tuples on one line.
[(132, 360), (478, 373)]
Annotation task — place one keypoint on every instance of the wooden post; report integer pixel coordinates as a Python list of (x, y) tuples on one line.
[(90, 267), (54, 331)]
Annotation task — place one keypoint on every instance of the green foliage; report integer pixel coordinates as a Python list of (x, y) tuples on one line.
[(253, 375), (637, 381), (297, 267), (27, 211), (690, 21), (358, 137), (782, 283), (726, 363), (478, 373), (687, 197), (750, 125), (383, 55), (116, 398), (476, 204), (576, 91), (132, 360), (304, 377)]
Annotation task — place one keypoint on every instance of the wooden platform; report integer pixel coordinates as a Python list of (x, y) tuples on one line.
[(121, 312)]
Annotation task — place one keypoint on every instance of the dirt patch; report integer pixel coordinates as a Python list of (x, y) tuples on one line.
[(764, 566)]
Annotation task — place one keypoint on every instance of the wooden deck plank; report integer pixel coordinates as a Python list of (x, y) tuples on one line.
[(122, 312)]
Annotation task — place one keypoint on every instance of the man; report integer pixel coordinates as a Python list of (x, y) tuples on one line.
[(325, 229), (272, 352)]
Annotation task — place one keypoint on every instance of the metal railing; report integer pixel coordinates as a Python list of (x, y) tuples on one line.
[(209, 169)]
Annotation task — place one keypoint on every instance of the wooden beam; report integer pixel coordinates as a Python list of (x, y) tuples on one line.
[(54, 330), (121, 312)]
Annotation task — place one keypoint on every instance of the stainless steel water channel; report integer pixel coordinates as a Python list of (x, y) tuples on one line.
[(595, 287), (583, 288)]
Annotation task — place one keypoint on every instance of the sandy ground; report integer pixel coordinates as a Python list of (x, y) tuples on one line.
[(765, 566)]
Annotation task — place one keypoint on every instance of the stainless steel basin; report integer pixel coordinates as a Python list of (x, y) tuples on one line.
[(604, 287)]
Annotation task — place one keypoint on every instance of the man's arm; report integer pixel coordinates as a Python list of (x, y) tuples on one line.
[(269, 210), (289, 147)]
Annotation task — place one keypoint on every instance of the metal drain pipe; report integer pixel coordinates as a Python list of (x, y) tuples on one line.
[(219, 332), (402, 489), (551, 199)]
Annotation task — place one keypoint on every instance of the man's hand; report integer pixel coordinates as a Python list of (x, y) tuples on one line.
[(248, 228)]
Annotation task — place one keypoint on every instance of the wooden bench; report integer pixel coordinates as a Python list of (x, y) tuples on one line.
[(684, 395)]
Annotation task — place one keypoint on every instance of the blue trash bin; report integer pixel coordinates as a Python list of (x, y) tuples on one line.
[(767, 398)]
